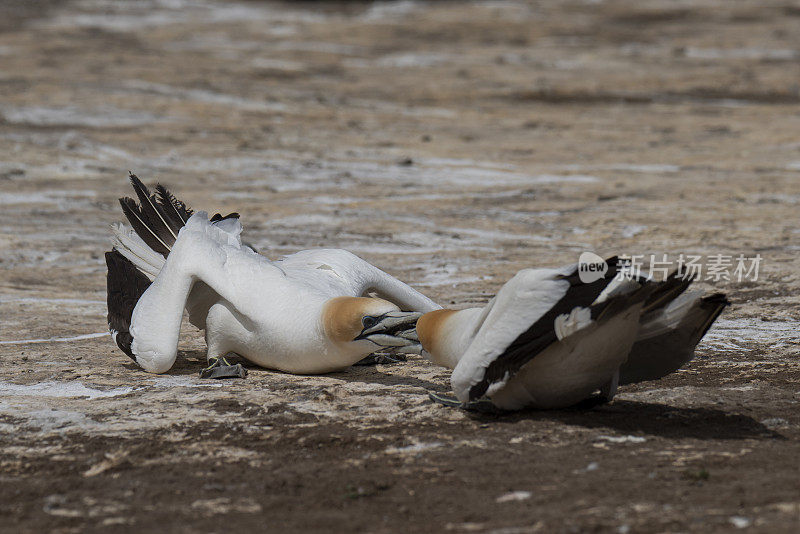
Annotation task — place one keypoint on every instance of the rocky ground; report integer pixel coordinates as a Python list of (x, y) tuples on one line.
[(450, 143)]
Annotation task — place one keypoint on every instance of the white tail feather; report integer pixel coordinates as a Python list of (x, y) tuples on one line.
[(130, 245)]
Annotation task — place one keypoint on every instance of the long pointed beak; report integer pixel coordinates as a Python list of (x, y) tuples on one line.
[(395, 329)]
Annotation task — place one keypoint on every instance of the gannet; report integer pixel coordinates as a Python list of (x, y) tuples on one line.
[(548, 340), (310, 312)]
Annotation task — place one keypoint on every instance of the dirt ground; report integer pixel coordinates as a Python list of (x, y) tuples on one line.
[(451, 144)]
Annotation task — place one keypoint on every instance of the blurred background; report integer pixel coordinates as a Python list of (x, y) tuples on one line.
[(466, 132), (451, 144)]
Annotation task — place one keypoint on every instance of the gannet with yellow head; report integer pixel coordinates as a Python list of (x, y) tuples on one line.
[(548, 340), (310, 312)]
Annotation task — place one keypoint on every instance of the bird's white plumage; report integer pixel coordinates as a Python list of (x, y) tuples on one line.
[(270, 312)]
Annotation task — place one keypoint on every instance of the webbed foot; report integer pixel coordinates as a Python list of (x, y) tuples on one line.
[(480, 405), (220, 367), (382, 358)]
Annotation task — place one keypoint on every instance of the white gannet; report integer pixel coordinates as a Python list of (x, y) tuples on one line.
[(309, 312), (548, 340)]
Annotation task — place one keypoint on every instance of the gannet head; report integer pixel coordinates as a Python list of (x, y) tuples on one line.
[(368, 323), (433, 331)]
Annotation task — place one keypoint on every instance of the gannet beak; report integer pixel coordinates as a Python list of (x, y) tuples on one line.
[(394, 330)]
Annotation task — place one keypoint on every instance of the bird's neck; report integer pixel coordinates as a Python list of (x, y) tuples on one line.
[(446, 334)]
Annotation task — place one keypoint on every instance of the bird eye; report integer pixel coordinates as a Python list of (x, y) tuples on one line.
[(368, 321)]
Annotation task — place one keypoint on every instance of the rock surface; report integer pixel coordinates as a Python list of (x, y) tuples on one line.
[(452, 144)]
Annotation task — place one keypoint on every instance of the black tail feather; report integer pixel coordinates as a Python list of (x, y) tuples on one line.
[(653, 357), (139, 223), (667, 291), (714, 304), (175, 211), (125, 285), (157, 218), (153, 214)]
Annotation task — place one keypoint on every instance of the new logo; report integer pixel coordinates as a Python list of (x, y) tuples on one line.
[(591, 267)]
